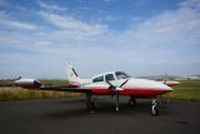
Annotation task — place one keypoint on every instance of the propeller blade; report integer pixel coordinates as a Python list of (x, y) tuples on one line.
[(117, 90), (124, 83), (111, 86)]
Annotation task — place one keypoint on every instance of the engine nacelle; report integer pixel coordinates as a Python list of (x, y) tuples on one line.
[(171, 83), (28, 83)]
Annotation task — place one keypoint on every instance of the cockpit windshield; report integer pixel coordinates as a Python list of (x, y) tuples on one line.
[(121, 75)]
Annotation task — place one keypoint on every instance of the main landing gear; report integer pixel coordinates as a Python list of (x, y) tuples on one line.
[(132, 102), (155, 107), (90, 105)]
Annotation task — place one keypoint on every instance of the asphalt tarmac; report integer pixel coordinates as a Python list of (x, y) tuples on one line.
[(68, 116)]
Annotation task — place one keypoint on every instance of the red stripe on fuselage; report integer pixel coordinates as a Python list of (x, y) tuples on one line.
[(143, 93)]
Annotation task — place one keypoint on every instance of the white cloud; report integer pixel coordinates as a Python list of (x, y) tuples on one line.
[(172, 27), (18, 25), (13, 24), (76, 28), (51, 7), (190, 3)]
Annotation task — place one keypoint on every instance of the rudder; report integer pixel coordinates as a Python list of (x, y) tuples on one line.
[(72, 76)]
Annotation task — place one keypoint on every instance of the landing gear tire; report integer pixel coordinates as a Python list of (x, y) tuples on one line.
[(154, 108), (90, 104), (132, 103)]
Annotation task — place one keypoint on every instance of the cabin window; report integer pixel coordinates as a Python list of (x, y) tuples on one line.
[(121, 75), (109, 77), (98, 79)]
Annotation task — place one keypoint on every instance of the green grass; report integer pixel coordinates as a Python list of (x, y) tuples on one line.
[(187, 90), (17, 93)]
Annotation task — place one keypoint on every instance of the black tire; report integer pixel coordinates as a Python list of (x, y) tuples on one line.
[(132, 103), (155, 111), (90, 106)]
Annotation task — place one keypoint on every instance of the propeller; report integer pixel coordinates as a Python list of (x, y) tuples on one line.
[(117, 89)]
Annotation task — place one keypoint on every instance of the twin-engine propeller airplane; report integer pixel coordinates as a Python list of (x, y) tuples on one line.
[(113, 83)]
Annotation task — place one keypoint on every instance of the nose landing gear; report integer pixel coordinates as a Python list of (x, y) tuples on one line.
[(154, 107)]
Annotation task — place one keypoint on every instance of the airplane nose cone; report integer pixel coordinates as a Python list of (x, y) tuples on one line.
[(159, 86), (149, 84), (165, 88)]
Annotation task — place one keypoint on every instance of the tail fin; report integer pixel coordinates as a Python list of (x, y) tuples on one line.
[(72, 75)]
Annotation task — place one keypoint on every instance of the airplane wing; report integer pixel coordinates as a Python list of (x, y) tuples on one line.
[(33, 84)]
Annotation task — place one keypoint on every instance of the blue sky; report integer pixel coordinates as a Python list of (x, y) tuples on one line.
[(142, 37)]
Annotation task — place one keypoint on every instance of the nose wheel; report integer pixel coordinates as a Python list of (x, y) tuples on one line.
[(154, 108)]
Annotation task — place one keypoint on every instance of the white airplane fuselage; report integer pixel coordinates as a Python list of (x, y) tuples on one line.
[(139, 88)]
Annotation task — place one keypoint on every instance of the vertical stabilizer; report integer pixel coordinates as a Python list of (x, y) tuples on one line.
[(72, 75)]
